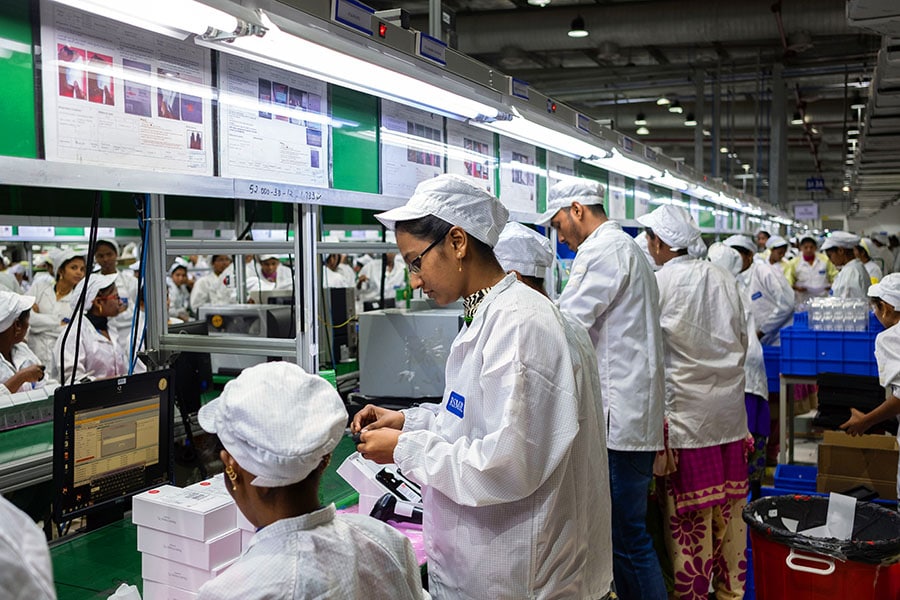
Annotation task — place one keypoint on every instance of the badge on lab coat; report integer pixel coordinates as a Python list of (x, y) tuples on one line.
[(456, 404)]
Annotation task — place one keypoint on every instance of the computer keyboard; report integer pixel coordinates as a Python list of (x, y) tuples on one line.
[(116, 484)]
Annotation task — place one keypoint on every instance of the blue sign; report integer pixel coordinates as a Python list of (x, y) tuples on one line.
[(456, 404), (815, 184)]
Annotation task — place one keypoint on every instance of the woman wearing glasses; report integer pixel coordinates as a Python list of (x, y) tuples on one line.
[(511, 460)]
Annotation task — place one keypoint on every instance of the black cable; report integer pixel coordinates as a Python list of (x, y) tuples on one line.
[(287, 236), (140, 204)]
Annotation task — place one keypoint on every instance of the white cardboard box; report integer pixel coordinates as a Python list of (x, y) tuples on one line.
[(216, 485), (175, 574), (194, 553), (246, 536), (187, 513), (159, 591)]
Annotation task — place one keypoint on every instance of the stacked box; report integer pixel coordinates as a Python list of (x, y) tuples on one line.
[(216, 485), (846, 462), (186, 537)]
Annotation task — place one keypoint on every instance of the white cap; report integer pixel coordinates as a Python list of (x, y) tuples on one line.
[(564, 193), (776, 241), (179, 263), (277, 421), (741, 241), (97, 282), (726, 257), (888, 289), (109, 241), (866, 244), (61, 257), (456, 201), (19, 267), (880, 238), (524, 250), (11, 306), (840, 239), (676, 227)]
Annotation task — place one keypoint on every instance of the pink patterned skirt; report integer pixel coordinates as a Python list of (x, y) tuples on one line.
[(710, 476)]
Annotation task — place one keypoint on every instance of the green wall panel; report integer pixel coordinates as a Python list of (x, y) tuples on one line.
[(19, 136), (183, 208), (355, 144), (542, 180), (50, 202), (597, 174)]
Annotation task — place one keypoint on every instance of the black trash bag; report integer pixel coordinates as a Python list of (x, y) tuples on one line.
[(876, 530)]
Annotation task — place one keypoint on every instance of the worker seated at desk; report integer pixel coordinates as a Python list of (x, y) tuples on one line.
[(278, 426), (20, 368)]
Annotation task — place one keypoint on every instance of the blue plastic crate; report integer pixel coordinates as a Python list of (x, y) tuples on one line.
[(772, 360), (796, 478), (808, 352)]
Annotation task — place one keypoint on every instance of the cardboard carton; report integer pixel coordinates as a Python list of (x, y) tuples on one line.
[(846, 461)]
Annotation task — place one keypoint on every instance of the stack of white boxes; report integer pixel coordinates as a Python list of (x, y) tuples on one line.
[(216, 485), (186, 537)]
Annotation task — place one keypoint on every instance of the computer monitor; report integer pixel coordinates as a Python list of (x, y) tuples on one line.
[(111, 440), (192, 370)]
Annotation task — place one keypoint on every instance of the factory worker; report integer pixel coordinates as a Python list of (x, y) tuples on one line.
[(702, 319), (106, 255), (864, 251), (526, 253), (333, 276), (641, 240), (53, 304), (880, 252), (811, 273), (885, 296), (99, 353), (770, 295), (271, 275), (369, 280), (215, 288), (25, 569), (777, 247), (612, 293), (8, 280), (512, 488), (20, 369), (756, 385), (43, 267), (278, 426), (179, 293), (762, 238), (853, 280)]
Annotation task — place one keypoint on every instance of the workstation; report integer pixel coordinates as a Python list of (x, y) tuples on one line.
[(238, 159)]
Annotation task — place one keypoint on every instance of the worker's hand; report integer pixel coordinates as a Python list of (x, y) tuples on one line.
[(856, 424), (374, 417), (378, 445), (31, 373)]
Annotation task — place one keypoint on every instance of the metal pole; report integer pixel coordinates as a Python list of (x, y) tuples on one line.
[(699, 108), (240, 273), (305, 236), (778, 189), (434, 19), (717, 124), (155, 275)]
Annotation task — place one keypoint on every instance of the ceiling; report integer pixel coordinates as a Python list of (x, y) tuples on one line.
[(718, 60)]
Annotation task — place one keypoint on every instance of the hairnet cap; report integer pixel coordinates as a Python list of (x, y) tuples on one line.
[(840, 239), (95, 283), (61, 257), (109, 241), (726, 257), (11, 306), (564, 193), (265, 257), (888, 289), (524, 250), (880, 238), (776, 241), (740, 241), (179, 263), (676, 227), (456, 201), (277, 421)]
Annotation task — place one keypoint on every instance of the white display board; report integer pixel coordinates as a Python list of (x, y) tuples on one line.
[(273, 124), (518, 175), (616, 195), (412, 148), (117, 95), (470, 154), (641, 198), (559, 167)]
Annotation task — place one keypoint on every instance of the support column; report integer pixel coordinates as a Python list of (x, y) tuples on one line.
[(778, 188), (716, 127), (240, 284), (156, 312), (434, 19), (306, 261), (699, 114)]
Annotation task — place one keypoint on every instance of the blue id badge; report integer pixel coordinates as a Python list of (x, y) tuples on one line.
[(456, 404), (756, 296)]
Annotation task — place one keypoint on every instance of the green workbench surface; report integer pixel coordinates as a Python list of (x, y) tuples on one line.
[(92, 565), (25, 441)]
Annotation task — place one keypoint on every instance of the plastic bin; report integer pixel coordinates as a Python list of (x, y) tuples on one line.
[(796, 567), (808, 352), (796, 478), (772, 360)]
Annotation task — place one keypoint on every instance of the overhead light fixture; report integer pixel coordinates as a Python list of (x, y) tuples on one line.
[(723, 150), (857, 103), (578, 30), (797, 119), (814, 130), (641, 119), (540, 3), (845, 189), (852, 132), (690, 121), (707, 132), (674, 182), (530, 131), (642, 130), (676, 108), (849, 161), (616, 162), (663, 101), (281, 48)]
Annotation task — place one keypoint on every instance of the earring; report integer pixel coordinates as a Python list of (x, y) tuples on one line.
[(232, 475), (459, 259), (100, 308)]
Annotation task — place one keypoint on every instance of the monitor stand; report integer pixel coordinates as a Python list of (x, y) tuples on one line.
[(98, 519)]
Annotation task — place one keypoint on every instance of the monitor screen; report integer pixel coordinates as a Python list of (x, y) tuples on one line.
[(111, 440)]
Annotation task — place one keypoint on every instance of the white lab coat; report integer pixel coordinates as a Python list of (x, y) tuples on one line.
[(98, 357), (322, 555), (126, 286), (887, 355), (257, 282), (771, 300), (370, 290), (852, 281), (612, 293), (336, 279), (812, 276), (25, 571), (9, 282), (179, 298), (874, 271), (702, 319), (512, 462), (883, 257), (214, 289), (44, 326), (22, 357)]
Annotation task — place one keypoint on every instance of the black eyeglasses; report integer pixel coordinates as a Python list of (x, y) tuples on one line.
[(415, 265)]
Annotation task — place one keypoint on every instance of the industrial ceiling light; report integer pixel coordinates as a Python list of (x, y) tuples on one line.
[(641, 119), (676, 108), (541, 3), (845, 189), (724, 149), (578, 30), (796, 119), (852, 132), (663, 101), (642, 130), (690, 121)]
